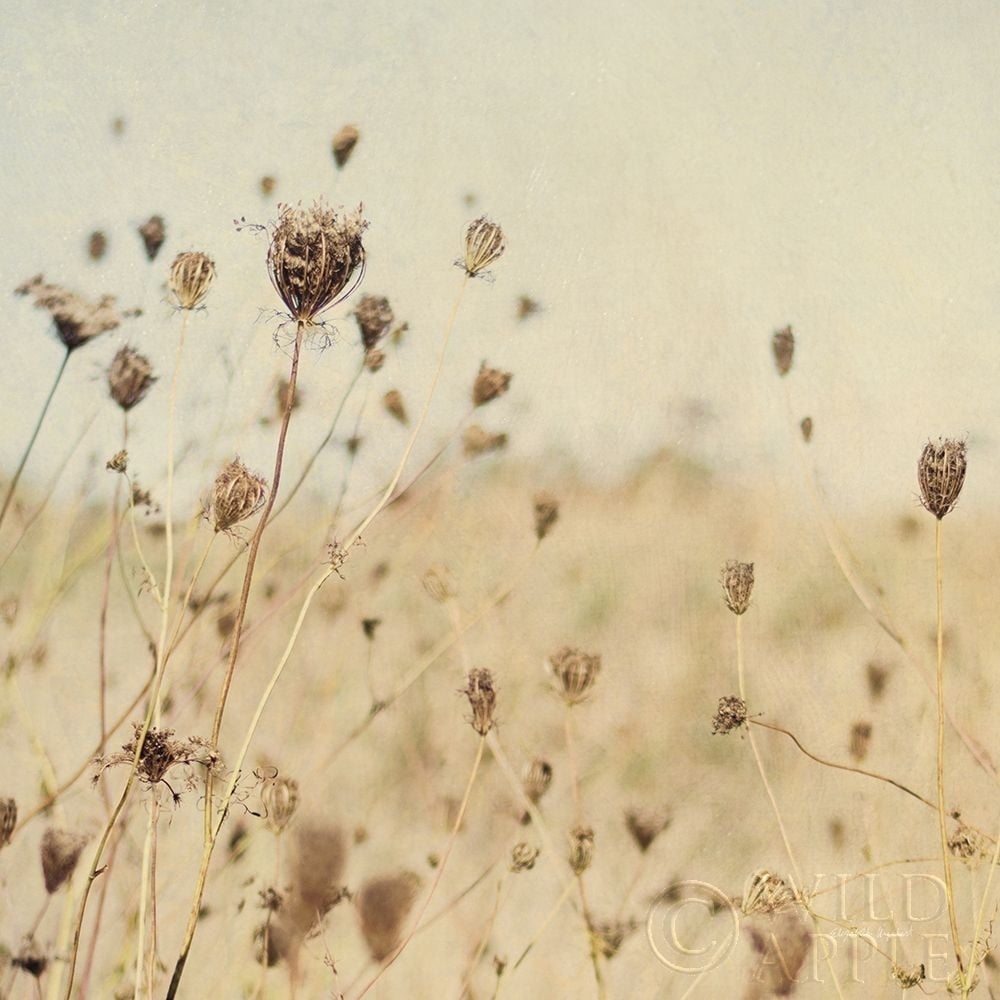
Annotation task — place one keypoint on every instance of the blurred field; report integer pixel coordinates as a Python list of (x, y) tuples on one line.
[(632, 574)]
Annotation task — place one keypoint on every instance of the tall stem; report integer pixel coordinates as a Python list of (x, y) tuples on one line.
[(34, 434), (942, 814)]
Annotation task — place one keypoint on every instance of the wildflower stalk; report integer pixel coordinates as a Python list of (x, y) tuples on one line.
[(8, 499)]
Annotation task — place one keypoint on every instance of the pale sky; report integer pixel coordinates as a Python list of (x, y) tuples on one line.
[(676, 181)]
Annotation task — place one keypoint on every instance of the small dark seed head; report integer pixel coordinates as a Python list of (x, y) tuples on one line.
[(476, 441), (60, 851), (737, 585), (8, 820), (645, 825), (546, 513), (130, 377), (490, 383), (861, 735), (30, 959), (731, 714), (394, 405), (153, 232), (783, 345), (941, 474), (481, 692), (343, 144), (237, 494), (581, 849), (374, 316)]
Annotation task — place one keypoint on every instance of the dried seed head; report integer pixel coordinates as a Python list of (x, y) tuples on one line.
[(374, 359), (765, 892), (394, 405), (315, 258), (317, 869), (969, 845), (958, 984), (118, 461), (575, 673), (645, 825), (160, 752), (536, 779), (783, 345), (581, 849), (482, 695), (369, 625), (806, 426), (861, 735), (343, 144), (526, 306), (783, 943), (878, 677), (267, 185), (523, 857), (609, 936), (153, 232), (280, 798), (737, 585), (546, 513), (191, 276), (60, 852), (490, 383), (941, 473), (97, 245), (237, 494), (8, 820), (908, 978), (383, 905), (484, 244), (476, 441), (374, 316), (130, 377), (31, 959), (76, 320), (732, 714), (439, 583)]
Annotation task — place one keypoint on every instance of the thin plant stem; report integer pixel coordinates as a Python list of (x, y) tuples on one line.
[(980, 917), (484, 937), (8, 499), (558, 905), (942, 813), (398, 950)]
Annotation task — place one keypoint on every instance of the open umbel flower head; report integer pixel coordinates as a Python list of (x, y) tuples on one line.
[(941, 474), (484, 244), (191, 276), (315, 258), (737, 585), (130, 377), (237, 494)]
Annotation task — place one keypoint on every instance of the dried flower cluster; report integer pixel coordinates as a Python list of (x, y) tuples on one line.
[(383, 904), (523, 857), (941, 475), (191, 276), (546, 513), (484, 244), (130, 377), (280, 799), (581, 849), (60, 852), (737, 585), (783, 345), (315, 258), (77, 321), (374, 316), (490, 383), (575, 673), (482, 695), (237, 494), (765, 892), (731, 714)]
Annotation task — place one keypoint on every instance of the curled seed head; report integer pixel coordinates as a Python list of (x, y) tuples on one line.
[(731, 714), (60, 851), (546, 513), (941, 474), (383, 905), (8, 820), (394, 405), (536, 779), (153, 232), (76, 320), (645, 825), (861, 735), (343, 144), (490, 383), (130, 377), (482, 695), (191, 276), (765, 892), (374, 316), (315, 257), (575, 673), (523, 857), (237, 494), (484, 244), (737, 585), (476, 441), (280, 797), (581, 849), (783, 345)]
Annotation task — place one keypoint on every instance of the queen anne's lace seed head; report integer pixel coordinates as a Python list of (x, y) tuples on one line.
[(191, 276)]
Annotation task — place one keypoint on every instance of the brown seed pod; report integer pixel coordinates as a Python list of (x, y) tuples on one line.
[(130, 377), (315, 258), (237, 494), (153, 232), (737, 585), (484, 244), (191, 276), (490, 383), (267, 185), (941, 475), (343, 144), (97, 245)]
